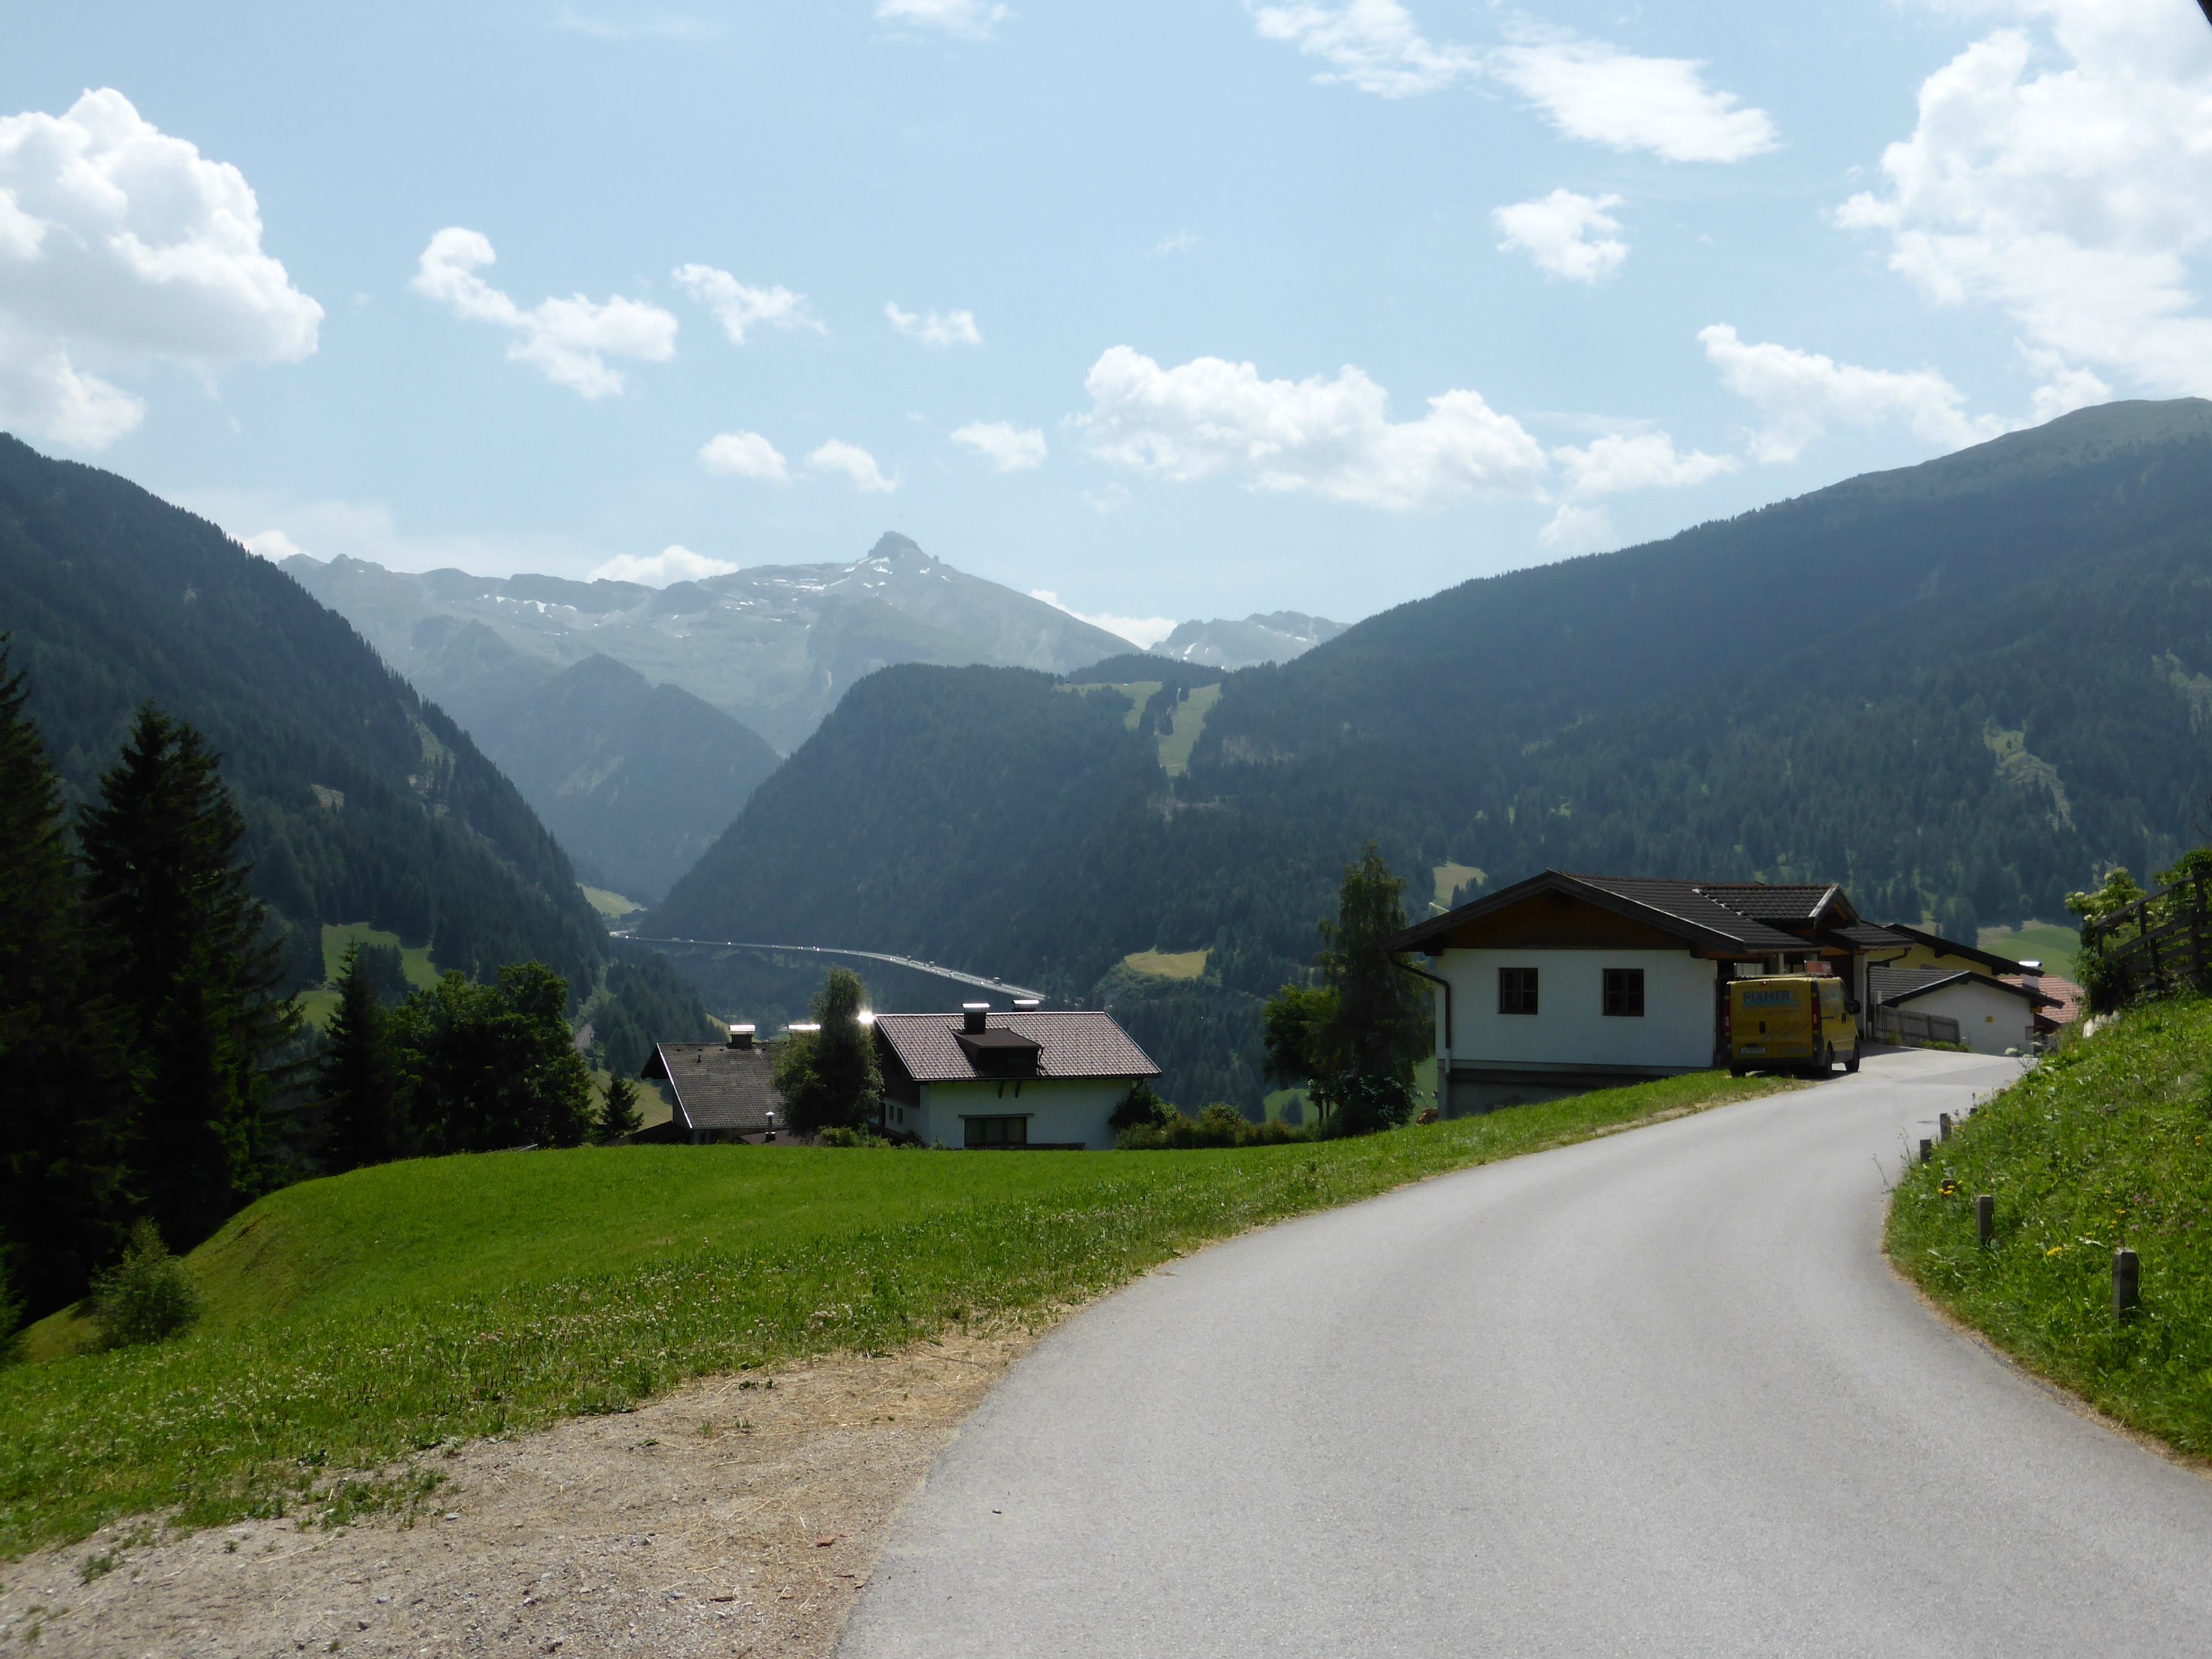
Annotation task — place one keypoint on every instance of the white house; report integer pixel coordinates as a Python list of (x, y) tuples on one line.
[(1992, 1016), (1028, 1078), (1563, 982)]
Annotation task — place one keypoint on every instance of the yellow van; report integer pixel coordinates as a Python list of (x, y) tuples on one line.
[(1790, 1020)]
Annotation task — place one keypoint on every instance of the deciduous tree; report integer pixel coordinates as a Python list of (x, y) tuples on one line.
[(830, 1078)]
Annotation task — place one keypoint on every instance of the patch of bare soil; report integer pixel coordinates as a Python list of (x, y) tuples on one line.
[(739, 1516)]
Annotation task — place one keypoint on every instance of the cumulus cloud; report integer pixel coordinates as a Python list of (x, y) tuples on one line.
[(738, 308), (744, 455), (1565, 234), (2062, 174), (1614, 464), (1009, 448), (119, 245), (277, 525), (974, 19), (939, 328), (1800, 393), (273, 545), (673, 563), (1143, 632), (1590, 90), (1331, 437), (855, 464), (566, 340), (1602, 95)]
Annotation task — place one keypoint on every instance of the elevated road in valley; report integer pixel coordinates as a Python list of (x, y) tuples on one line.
[(1658, 1394), (980, 982)]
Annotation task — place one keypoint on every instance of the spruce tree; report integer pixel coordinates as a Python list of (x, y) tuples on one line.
[(61, 1198), (355, 1078), (618, 1114), (194, 969), (830, 1078)]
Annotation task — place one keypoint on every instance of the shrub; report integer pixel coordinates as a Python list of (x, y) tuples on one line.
[(145, 1297), (838, 1135), (1141, 1105), (2102, 988), (11, 1315), (1217, 1125)]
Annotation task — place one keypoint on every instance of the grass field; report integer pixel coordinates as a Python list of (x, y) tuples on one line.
[(317, 1005), (1424, 1095), (1168, 964), (1189, 721), (2101, 1146), (1451, 877), (355, 1320), (2052, 944), (612, 906)]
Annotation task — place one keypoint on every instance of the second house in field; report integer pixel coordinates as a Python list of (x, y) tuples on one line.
[(1025, 1079)]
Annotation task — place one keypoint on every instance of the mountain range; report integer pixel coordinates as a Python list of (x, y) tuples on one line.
[(1264, 636), (1960, 689)]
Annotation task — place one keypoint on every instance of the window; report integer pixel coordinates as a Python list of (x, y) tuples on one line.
[(1624, 992), (1516, 990), (996, 1131)]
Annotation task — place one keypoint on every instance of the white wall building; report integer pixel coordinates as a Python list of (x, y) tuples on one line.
[(1026, 1078), (1992, 1015)]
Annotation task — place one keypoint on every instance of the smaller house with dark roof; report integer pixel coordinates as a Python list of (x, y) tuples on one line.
[(1026, 1079), (722, 1090), (1563, 982), (1997, 1002)]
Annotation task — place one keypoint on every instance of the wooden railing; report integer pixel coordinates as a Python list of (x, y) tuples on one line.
[(1906, 1029), (2161, 944)]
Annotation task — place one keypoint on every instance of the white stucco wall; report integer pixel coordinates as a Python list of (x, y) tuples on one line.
[(1990, 1021), (1570, 1027), (1070, 1112)]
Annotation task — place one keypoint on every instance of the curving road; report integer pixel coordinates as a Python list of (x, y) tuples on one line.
[(981, 982), (1654, 1394)]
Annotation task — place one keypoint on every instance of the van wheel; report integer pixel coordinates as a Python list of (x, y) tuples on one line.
[(1851, 1066), (1735, 1070)]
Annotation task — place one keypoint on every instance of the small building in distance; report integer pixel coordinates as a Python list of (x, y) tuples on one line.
[(722, 1091), (1026, 1079), (1998, 1003)]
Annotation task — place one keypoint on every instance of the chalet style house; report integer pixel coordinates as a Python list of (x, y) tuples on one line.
[(722, 1090), (1027, 1078), (1562, 982)]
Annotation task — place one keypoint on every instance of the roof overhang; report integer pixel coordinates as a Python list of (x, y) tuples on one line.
[(1428, 936)]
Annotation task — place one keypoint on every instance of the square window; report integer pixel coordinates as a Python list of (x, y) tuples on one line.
[(1624, 992), (1516, 990), (996, 1131)]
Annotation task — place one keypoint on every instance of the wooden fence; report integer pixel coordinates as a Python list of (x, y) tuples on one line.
[(1904, 1027), (2161, 944)]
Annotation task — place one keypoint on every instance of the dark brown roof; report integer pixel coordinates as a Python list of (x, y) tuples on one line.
[(1085, 1043), (1951, 947), (1727, 918), (1890, 987), (718, 1087), (1802, 903), (1868, 937)]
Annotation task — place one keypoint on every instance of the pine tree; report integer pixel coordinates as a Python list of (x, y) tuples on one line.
[(62, 1206), (356, 1077), (618, 1115), (194, 967), (830, 1078)]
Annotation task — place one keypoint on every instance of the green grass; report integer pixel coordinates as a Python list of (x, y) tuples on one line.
[(2104, 1146), (317, 1005), (2048, 943), (1189, 721), (1450, 878), (1168, 964), (353, 1322), (1424, 1095), (613, 905)]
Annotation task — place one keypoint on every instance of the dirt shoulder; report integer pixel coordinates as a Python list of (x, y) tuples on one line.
[(737, 1517)]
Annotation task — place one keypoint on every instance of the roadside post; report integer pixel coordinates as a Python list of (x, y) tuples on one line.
[(1942, 1125), (1986, 1219), (2127, 1278)]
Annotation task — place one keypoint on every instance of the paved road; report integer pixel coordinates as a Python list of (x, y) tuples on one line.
[(1656, 1394), (981, 982)]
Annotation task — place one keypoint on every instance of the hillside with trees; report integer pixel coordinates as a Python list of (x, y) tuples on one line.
[(1962, 689)]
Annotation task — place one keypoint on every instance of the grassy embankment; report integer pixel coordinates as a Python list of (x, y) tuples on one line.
[(355, 1320), (2045, 942), (2102, 1146), (414, 961), (611, 907)]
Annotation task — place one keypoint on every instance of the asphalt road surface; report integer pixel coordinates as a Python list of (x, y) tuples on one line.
[(1654, 1395)]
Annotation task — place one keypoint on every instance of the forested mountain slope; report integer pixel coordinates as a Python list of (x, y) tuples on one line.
[(362, 801), (1960, 687)]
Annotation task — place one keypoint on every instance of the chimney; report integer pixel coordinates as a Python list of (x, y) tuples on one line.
[(975, 1016), (1027, 1004), (741, 1036)]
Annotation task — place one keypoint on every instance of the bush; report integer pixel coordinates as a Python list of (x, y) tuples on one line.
[(1141, 1105), (1218, 1126), (11, 1315), (145, 1297), (838, 1135), (2102, 988)]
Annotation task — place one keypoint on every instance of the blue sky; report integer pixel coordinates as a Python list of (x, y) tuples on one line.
[(1168, 309)]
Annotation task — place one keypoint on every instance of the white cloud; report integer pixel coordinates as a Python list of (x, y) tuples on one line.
[(1644, 460), (1800, 393), (744, 455), (1009, 448), (121, 245), (1577, 528), (855, 464), (673, 563), (1181, 241), (738, 307), (971, 19), (2069, 185), (1107, 501), (1372, 45), (566, 340), (273, 545), (1565, 234), (1602, 95), (275, 524), (938, 329), (1143, 632), (1329, 437), (2064, 389)]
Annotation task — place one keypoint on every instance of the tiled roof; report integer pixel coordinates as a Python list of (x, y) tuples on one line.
[(1868, 937), (1692, 902), (1794, 902), (718, 1087), (1888, 985), (1085, 1043), (2064, 1006), (2004, 967)]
